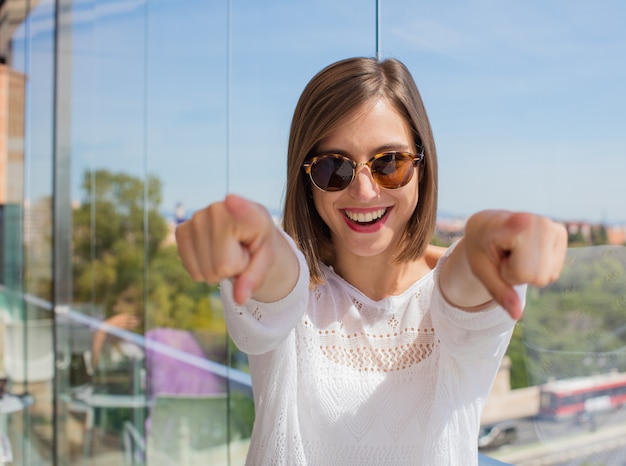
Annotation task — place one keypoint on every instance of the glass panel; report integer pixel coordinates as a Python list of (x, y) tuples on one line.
[(102, 383), (147, 95), (27, 51), (276, 49), (526, 101), (187, 158)]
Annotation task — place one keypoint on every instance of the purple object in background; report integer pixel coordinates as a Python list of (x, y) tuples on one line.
[(167, 375)]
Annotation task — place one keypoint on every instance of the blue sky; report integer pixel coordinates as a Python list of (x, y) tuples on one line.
[(527, 99), (528, 104)]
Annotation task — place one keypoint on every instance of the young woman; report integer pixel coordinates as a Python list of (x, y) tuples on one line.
[(363, 348)]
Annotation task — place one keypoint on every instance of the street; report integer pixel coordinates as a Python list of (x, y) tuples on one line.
[(600, 440)]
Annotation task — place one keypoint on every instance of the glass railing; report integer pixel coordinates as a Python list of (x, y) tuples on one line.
[(152, 410), (573, 345)]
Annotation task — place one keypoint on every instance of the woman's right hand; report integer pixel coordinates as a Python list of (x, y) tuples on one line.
[(237, 239)]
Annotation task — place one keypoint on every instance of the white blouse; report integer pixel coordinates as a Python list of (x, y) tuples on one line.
[(340, 379)]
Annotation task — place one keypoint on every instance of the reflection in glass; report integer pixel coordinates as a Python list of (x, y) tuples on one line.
[(26, 221)]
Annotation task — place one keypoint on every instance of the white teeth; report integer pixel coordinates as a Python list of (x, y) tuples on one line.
[(365, 217)]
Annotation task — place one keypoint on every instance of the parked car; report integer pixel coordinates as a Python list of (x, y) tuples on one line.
[(496, 435)]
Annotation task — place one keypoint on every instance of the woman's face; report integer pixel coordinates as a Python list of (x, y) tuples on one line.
[(365, 219)]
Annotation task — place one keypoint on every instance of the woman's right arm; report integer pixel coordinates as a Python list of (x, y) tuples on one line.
[(237, 239)]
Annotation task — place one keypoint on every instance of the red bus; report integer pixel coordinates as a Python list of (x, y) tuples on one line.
[(570, 397)]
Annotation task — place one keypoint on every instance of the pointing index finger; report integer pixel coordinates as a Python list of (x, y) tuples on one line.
[(502, 292)]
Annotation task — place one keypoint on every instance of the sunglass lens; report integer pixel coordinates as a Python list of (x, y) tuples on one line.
[(332, 173), (392, 170)]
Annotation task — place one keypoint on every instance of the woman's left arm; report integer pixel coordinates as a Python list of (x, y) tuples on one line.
[(501, 249)]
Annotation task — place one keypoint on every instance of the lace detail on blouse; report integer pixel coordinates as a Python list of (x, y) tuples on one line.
[(371, 352), (369, 337)]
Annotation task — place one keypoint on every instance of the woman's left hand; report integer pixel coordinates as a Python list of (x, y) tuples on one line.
[(503, 249)]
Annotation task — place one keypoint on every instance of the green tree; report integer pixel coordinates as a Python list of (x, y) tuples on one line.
[(599, 235), (576, 239), (120, 241), (515, 352), (576, 326)]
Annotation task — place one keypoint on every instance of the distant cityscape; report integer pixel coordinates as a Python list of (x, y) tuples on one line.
[(451, 228), (581, 233)]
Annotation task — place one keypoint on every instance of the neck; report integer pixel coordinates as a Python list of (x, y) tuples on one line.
[(378, 277)]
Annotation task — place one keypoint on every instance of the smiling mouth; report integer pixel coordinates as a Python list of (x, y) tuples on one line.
[(365, 218)]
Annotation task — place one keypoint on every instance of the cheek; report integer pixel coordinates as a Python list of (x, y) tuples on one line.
[(322, 204), (411, 202), (412, 196)]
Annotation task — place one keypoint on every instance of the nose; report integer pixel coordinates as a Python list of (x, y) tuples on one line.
[(363, 187)]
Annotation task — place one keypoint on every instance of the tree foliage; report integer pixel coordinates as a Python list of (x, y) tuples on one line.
[(576, 326), (120, 240)]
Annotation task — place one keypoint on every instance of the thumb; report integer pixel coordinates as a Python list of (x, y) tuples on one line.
[(237, 205), (507, 237), (252, 222), (250, 217)]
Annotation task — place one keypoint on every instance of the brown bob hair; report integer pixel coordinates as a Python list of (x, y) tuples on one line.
[(331, 95)]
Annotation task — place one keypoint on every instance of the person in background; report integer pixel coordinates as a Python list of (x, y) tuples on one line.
[(109, 351), (365, 346)]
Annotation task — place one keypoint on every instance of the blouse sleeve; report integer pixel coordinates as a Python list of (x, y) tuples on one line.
[(483, 334), (257, 327)]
